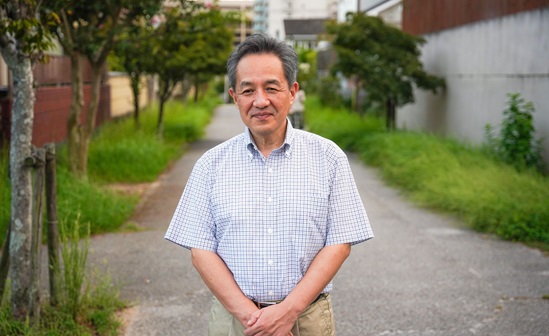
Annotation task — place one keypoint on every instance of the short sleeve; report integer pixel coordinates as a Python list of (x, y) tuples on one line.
[(192, 225)]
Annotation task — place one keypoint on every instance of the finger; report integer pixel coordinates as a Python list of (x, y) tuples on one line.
[(254, 317)]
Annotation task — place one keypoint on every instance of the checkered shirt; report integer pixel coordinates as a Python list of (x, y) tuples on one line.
[(267, 218)]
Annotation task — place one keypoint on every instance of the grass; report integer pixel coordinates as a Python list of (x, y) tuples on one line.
[(447, 175), (118, 154), (122, 154)]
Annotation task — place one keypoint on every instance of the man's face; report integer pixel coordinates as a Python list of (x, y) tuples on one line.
[(263, 95)]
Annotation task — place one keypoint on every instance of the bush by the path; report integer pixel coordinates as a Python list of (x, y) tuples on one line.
[(490, 196)]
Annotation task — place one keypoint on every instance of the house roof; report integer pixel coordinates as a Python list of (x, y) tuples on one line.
[(304, 26)]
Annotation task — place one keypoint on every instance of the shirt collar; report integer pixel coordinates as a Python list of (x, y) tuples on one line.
[(287, 146)]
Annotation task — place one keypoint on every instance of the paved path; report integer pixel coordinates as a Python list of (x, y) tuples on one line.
[(423, 274)]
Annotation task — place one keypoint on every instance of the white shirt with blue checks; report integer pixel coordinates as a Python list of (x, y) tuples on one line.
[(267, 218)]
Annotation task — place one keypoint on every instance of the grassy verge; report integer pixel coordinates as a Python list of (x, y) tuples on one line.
[(446, 175), (118, 154)]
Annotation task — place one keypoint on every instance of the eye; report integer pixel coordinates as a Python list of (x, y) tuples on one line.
[(271, 89), (246, 92)]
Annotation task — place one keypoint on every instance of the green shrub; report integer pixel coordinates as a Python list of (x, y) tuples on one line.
[(444, 174), (338, 124), (330, 93), (516, 143)]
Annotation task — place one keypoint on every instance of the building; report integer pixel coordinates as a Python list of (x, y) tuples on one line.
[(244, 29), (269, 15), (390, 11), (485, 49), (303, 33)]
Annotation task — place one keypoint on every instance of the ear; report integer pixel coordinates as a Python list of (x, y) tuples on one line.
[(233, 95), (293, 91)]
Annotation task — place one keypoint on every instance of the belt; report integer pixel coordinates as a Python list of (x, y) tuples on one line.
[(264, 304)]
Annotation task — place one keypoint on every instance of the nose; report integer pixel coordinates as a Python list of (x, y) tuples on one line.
[(261, 100)]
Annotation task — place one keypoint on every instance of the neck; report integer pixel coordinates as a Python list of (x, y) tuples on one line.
[(266, 144)]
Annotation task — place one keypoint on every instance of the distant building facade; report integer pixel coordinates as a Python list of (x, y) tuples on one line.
[(244, 29), (269, 15)]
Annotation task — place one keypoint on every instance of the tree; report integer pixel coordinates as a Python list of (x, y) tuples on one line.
[(192, 43), (384, 60), (23, 38), (134, 58), (212, 42), (90, 30)]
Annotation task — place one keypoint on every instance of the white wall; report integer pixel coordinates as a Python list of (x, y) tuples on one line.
[(481, 63)]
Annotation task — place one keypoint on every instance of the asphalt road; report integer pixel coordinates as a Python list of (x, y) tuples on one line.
[(423, 274)]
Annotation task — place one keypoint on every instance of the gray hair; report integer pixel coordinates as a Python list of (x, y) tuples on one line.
[(262, 44)]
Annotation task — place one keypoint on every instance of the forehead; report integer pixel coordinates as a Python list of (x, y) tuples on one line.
[(259, 69)]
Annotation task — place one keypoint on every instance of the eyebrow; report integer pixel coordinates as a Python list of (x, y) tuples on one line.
[(270, 81)]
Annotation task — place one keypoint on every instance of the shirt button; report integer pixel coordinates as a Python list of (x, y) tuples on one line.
[(270, 170), (270, 262), (270, 231), (271, 293), (269, 199)]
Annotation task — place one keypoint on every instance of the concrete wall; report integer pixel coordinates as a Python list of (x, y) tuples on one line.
[(481, 63)]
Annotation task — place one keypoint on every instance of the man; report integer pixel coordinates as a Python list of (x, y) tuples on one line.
[(269, 215)]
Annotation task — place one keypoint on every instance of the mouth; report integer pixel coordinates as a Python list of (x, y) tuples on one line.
[(261, 115)]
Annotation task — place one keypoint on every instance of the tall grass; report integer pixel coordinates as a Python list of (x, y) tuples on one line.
[(447, 175), (118, 153), (87, 302)]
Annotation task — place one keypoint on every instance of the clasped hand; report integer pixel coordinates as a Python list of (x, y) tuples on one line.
[(270, 321)]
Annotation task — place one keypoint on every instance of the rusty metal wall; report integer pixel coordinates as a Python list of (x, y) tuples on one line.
[(428, 16)]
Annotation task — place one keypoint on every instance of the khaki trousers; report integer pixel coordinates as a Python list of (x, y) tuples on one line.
[(316, 320)]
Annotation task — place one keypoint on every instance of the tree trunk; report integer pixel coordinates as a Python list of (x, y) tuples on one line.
[(74, 125), (356, 101), (21, 190), (91, 115), (160, 124), (390, 119), (164, 93), (134, 80), (196, 91)]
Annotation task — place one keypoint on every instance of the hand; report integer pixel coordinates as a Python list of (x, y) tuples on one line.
[(271, 321)]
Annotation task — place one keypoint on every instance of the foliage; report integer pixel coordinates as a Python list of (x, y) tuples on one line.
[(349, 129), (91, 29), (329, 92), (93, 203), (132, 56), (444, 174), (121, 154), (21, 27), (383, 58), (516, 144), (192, 43), (307, 75)]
